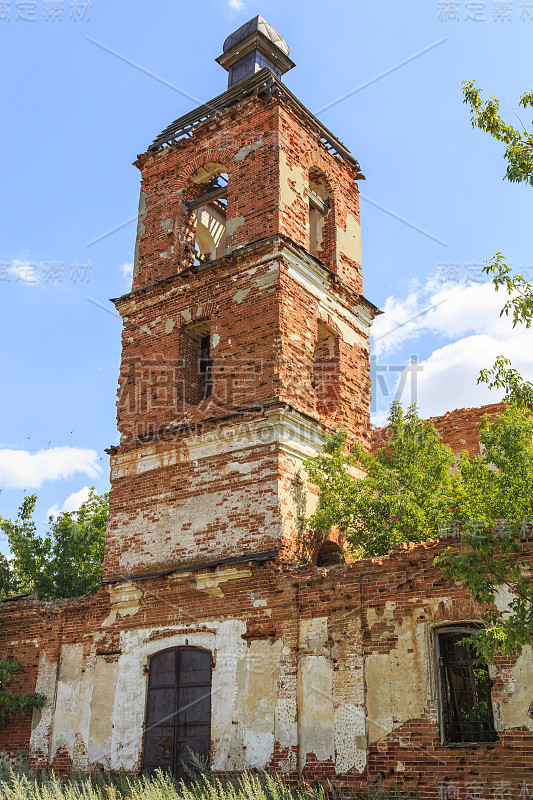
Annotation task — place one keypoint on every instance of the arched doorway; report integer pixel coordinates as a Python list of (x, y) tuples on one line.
[(178, 709)]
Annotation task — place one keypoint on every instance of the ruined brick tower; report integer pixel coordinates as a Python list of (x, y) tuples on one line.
[(222, 626), (245, 333)]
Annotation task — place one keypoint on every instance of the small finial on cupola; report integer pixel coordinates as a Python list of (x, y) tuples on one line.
[(250, 48)]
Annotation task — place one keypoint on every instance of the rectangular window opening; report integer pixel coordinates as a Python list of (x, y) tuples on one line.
[(464, 690), (197, 361)]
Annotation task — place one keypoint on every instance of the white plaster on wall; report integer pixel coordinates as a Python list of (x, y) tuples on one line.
[(314, 634), (353, 324), (350, 738), (349, 240), (42, 718), (287, 174), (397, 681), (514, 711), (315, 703)]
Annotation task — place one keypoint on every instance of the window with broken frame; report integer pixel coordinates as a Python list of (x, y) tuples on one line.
[(464, 689)]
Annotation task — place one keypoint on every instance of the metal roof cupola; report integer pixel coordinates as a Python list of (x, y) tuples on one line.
[(252, 47)]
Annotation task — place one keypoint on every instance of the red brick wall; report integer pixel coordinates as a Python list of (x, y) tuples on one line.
[(248, 141), (28, 629), (370, 607), (458, 429)]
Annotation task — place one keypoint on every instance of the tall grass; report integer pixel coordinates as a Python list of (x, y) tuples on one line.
[(18, 782)]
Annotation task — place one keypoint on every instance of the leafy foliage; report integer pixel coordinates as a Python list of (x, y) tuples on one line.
[(405, 491), (11, 705), (9, 586), (497, 508), (517, 287), (519, 144), (65, 562), (415, 489), (503, 376)]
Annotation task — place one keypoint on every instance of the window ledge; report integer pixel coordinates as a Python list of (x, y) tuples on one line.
[(467, 745)]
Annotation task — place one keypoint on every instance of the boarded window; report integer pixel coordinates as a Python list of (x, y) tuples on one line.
[(178, 710), (464, 684)]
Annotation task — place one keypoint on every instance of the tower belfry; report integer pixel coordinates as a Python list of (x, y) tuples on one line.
[(246, 331)]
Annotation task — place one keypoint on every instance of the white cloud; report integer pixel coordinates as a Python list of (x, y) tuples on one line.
[(72, 503), (20, 469), (236, 5), (468, 316), (451, 310), (127, 271)]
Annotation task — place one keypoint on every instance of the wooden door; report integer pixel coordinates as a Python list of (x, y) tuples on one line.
[(178, 709)]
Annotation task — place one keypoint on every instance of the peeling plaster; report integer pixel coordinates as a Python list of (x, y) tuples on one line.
[(349, 240), (239, 296), (42, 718), (313, 280), (514, 712), (247, 149), (397, 682), (316, 715), (104, 676), (210, 582), (125, 600), (73, 699), (350, 738), (234, 223), (261, 692), (314, 634), (297, 175)]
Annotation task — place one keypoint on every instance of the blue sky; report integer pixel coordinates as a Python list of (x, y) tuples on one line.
[(75, 116)]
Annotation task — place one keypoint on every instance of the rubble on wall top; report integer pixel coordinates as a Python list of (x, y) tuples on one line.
[(262, 84)]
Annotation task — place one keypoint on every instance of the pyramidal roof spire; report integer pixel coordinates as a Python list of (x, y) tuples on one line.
[(250, 48)]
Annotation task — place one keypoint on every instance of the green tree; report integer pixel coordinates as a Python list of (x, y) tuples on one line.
[(65, 562), (11, 705), (400, 495), (408, 492), (9, 585), (485, 115), (493, 559)]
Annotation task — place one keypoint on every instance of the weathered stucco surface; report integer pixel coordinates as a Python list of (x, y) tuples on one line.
[(397, 680)]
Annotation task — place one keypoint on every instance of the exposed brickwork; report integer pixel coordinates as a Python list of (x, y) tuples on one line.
[(458, 429), (263, 304), (377, 610), (324, 673)]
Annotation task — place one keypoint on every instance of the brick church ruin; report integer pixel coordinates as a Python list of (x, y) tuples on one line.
[(224, 624)]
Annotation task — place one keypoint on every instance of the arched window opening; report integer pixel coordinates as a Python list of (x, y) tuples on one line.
[(197, 361), (178, 710), (465, 703), (209, 208), (329, 554), (318, 210)]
